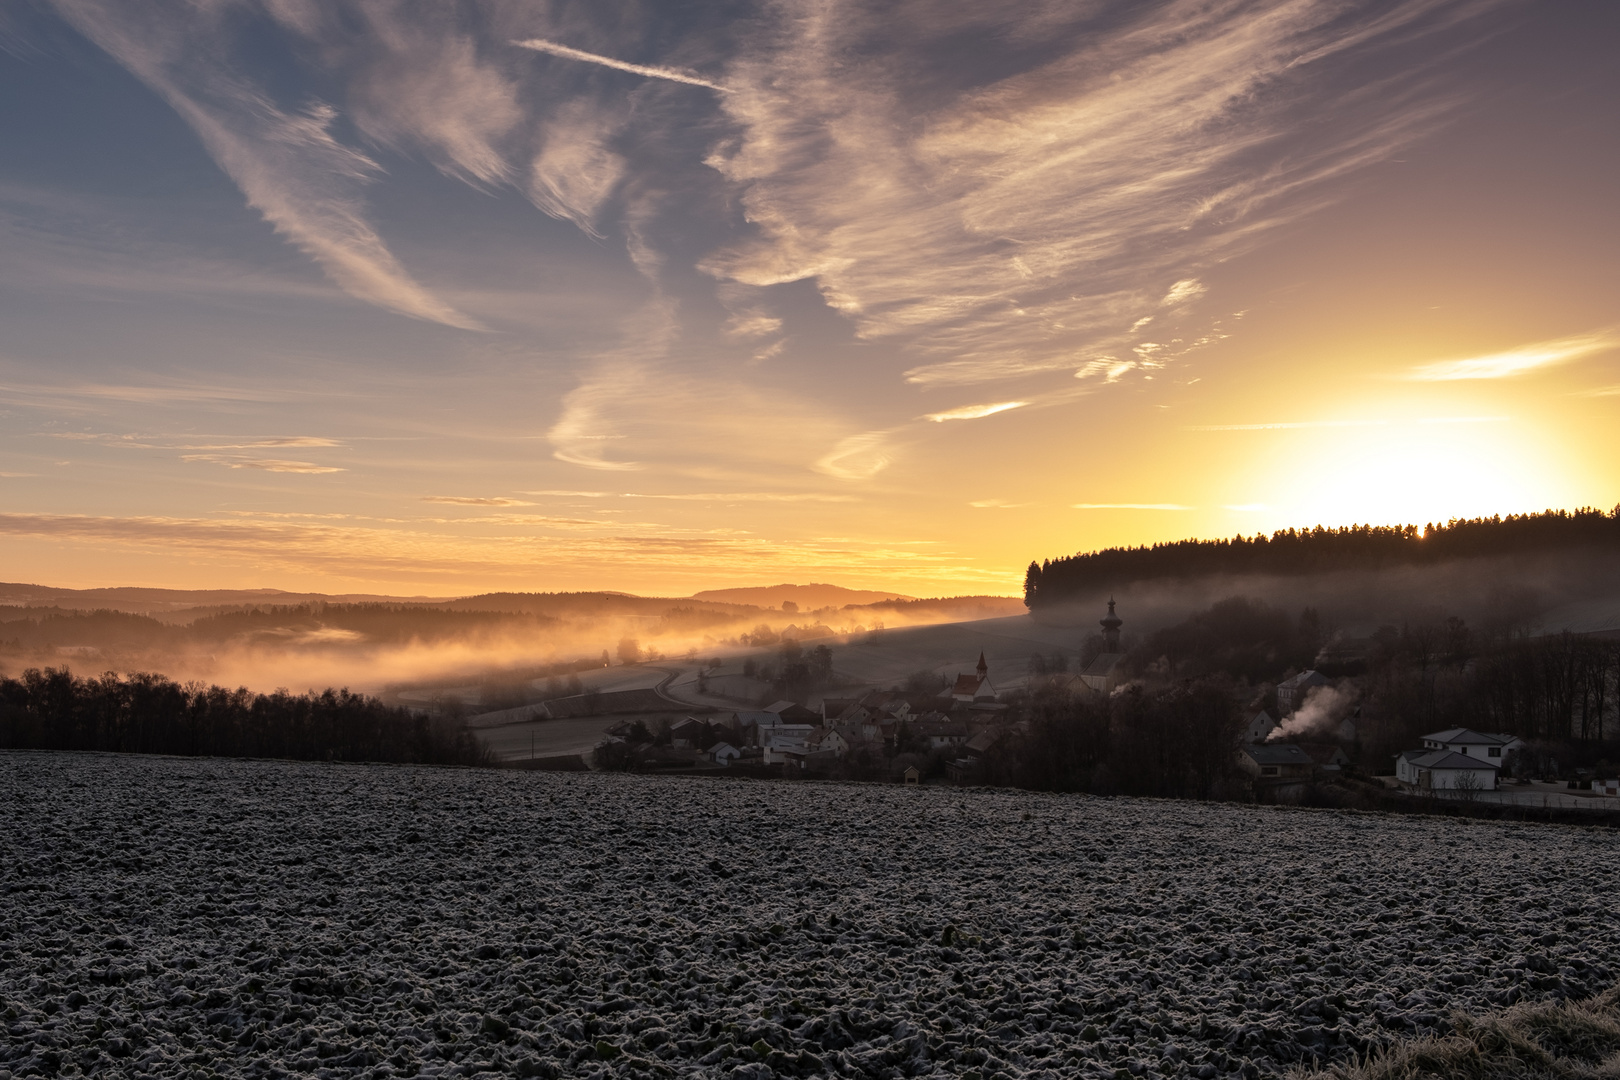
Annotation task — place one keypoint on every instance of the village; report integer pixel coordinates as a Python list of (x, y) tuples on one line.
[(954, 735)]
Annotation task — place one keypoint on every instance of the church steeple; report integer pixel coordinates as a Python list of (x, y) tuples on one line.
[(1111, 624), (983, 669)]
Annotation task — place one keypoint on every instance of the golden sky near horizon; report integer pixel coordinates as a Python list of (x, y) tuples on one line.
[(449, 298)]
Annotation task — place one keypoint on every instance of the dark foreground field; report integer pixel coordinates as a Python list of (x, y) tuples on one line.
[(195, 917)]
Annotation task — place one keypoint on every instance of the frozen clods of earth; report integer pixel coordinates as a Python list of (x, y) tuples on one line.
[(188, 917)]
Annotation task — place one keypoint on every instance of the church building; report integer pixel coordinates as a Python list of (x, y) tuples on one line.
[(1102, 674), (975, 687)]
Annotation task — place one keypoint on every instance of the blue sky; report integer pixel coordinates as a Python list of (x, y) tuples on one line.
[(442, 297)]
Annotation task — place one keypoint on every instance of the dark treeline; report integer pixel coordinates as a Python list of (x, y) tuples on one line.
[(1320, 550), (1408, 680), (1174, 742), (52, 709), (1560, 692)]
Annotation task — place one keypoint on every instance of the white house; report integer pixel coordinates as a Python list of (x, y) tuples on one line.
[(1291, 691), (1490, 746), (833, 740), (785, 755), (940, 733), (1610, 786), (1443, 770), (724, 753), (794, 737), (1260, 726), (1103, 674)]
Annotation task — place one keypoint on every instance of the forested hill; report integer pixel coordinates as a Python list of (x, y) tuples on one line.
[(1321, 550)]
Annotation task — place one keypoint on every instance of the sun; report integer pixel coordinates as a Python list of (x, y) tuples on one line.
[(1413, 471)]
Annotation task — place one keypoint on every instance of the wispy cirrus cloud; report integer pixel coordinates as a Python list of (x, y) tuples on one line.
[(474, 500), (1520, 361), (858, 457), (997, 230), (278, 465), (288, 164), (651, 71), (289, 441), (974, 412)]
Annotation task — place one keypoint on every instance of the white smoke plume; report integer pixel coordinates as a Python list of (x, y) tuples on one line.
[(1324, 710)]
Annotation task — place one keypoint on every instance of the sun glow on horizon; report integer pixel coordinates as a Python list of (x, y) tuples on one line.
[(1412, 474)]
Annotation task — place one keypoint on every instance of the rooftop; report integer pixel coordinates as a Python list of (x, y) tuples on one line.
[(1446, 759), (1277, 754), (1466, 736)]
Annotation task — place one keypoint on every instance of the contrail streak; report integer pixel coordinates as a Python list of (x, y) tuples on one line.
[(542, 45)]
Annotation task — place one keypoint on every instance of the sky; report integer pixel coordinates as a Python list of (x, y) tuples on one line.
[(435, 298)]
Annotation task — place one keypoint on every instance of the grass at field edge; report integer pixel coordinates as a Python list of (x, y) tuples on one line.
[(1572, 1040)]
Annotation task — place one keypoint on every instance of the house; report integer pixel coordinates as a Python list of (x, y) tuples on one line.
[(723, 753), (980, 744), (969, 768), (1327, 757), (940, 733), (786, 737), (1103, 674), (911, 775), (792, 712), (1276, 761), (785, 755), (833, 708), (1444, 770), (688, 733), (831, 739), (753, 724), (1491, 747), (1610, 786), (1259, 727), (1292, 690)]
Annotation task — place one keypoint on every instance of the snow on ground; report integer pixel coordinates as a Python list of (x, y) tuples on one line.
[(191, 917)]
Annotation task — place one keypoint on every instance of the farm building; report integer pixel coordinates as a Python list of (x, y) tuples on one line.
[(1276, 761)]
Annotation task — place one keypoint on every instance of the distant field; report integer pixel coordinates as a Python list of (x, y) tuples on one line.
[(244, 918)]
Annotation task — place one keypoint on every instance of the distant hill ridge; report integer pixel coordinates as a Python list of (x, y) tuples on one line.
[(139, 600), (808, 597), (1321, 550)]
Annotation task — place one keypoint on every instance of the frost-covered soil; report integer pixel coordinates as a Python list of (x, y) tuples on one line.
[(195, 917)]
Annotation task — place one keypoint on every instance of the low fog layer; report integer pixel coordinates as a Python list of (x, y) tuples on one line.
[(1577, 591), (241, 639)]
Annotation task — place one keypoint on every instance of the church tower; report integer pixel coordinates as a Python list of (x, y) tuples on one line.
[(983, 669), (1110, 625)]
